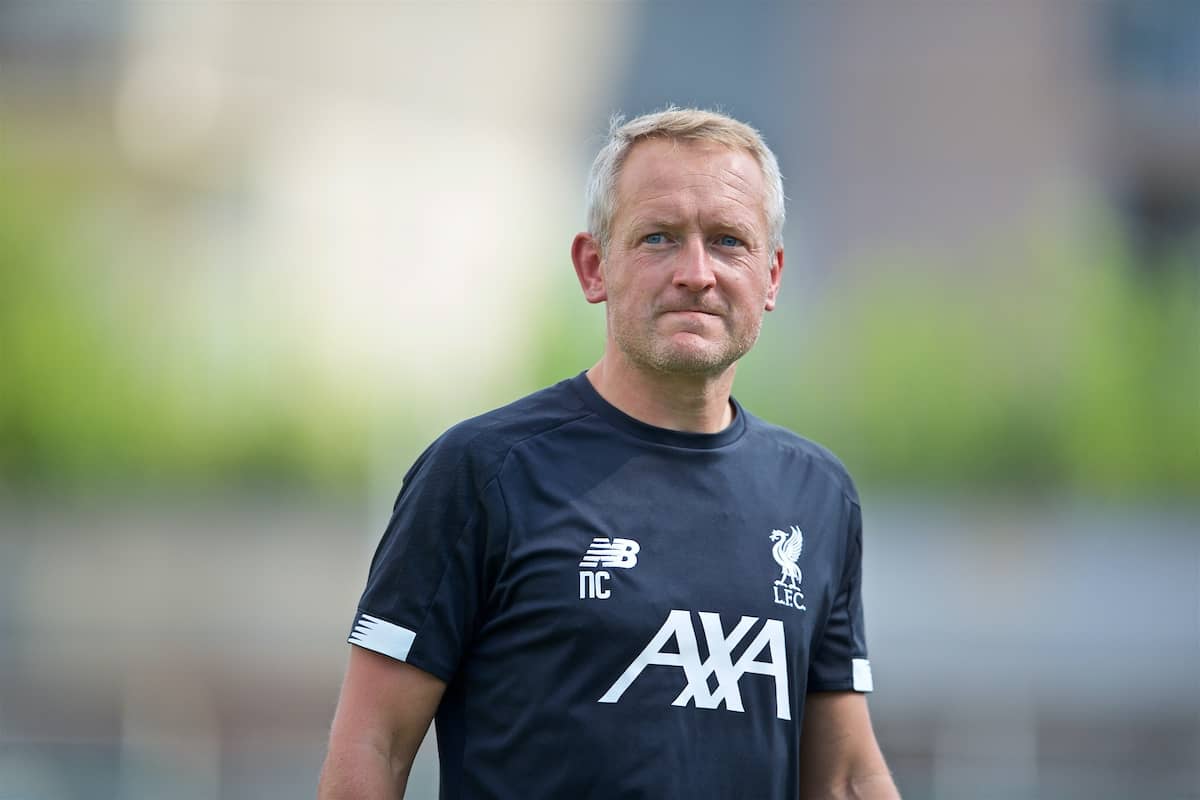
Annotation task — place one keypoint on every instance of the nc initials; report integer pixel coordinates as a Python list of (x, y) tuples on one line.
[(591, 585)]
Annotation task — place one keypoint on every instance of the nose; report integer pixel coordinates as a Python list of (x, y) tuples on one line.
[(693, 267)]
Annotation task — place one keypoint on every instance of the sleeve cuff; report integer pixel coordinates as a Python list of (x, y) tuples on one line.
[(382, 636), (862, 675), (859, 679)]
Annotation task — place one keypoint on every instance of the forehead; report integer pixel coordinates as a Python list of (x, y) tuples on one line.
[(666, 175)]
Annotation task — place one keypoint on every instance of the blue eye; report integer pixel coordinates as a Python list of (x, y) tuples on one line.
[(655, 238), (730, 241)]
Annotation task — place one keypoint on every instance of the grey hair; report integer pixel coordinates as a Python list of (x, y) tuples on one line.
[(684, 124)]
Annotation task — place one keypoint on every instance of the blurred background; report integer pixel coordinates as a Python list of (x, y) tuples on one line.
[(254, 256)]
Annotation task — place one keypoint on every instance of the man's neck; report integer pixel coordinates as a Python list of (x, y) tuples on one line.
[(691, 403)]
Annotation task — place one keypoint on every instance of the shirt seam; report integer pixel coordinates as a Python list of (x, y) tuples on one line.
[(847, 567), (425, 612), (513, 445)]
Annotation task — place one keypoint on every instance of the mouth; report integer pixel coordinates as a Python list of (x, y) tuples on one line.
[(690, 319)]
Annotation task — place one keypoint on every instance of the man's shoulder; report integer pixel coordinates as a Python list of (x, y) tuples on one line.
[(483, 441), (819, 456), (528, 416)]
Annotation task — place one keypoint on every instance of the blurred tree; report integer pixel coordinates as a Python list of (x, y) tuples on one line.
[(86, 395), (1055, 371)]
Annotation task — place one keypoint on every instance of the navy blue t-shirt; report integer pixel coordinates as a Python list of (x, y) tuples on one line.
[(620, 610)]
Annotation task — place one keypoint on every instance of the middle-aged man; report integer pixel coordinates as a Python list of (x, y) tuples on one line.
[(626, 585)]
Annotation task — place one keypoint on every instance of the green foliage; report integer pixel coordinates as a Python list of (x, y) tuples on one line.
[(1064, 370), (570, 333), (1054, 368), (1059, 369), (92, 396)]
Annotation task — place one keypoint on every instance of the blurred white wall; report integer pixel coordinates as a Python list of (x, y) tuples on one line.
[(385, 183)]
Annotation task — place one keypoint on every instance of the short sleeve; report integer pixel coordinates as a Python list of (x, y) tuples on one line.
[(429, 578), (839, 660)]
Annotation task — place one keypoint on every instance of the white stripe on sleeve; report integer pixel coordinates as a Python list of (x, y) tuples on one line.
[(862, 675), (382, 637)]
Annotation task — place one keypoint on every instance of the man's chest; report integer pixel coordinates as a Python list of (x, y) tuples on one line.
[(692, 588), (650, 532)]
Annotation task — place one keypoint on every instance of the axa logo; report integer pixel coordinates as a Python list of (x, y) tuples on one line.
[(766, 655), (786, 552), (608, 553)]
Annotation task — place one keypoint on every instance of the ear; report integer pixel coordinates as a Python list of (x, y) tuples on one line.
[(776, 275), (585, 254)]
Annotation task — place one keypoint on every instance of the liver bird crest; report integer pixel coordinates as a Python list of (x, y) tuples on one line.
[(786, 551)]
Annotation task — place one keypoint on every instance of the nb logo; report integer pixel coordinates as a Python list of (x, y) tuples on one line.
[(605, 552), (769, 640)]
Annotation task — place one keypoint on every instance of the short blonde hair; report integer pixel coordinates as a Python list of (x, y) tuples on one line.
[(685, 124)]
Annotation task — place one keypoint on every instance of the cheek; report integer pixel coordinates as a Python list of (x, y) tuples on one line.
[(636, 278), (748, 281)]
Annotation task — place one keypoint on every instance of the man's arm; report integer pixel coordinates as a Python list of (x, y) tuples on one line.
[(839, 757), (382, 715)]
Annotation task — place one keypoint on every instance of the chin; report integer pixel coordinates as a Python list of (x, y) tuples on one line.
[(680, 353), (692, 361)]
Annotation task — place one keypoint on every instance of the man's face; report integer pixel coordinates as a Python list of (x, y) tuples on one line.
[(689, 270)]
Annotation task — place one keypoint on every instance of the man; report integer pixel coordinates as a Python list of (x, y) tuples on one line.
[(625, 585)]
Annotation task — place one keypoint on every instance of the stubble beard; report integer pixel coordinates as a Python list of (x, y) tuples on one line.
[(651, 350)]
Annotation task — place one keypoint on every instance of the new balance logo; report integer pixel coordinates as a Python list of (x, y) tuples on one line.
[(604, 552), (615, 552), (720, 646)]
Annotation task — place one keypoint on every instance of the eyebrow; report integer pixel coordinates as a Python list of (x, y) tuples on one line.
[(639, 223), (642, 222)]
